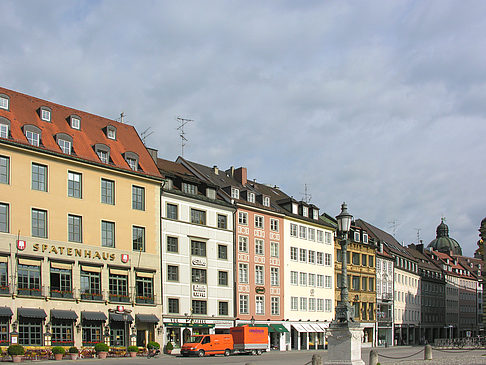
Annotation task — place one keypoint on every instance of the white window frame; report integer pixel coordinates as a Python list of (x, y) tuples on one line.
[(320, 281), (259, 221), (274, 276), (311, 280), (294, 278), (45, 115), (259, 246), (320, 258), (328, 305), (328, 282), (266, 201), (242, 244), (33, 138), (312, 234), (243, 273), (320, 236), (320, 305), (243, 218), (274, 225), (244, 301), (293, 230), (302, 255), (3, 130), (4, 102), (294, 254), (274, 249), (235, 193), (75, 123), (251, 197), (303, 232), (275, 306), (305, 211), (260, 305), (312, 304), (103, 156), (259, 275), (312, 257), (303, 304), (328, 259), (294, 303), (65, 146), (302, 278)]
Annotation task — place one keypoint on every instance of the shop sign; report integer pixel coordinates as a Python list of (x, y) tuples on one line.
[(199, 291), (260, 290), (20, 245), (199, 262), (75, 252)]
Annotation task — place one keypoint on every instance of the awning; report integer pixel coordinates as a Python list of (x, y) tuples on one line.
[(147, 318), (93, 316), (31, 313), (307, 327), (117, 317), (174, 324), (280, 328), (201, 325), (63, 314), (299, 327), (323, 326), (270, 329), (5, 312), (316, 327)]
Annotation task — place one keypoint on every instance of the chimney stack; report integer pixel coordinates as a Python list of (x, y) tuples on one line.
[(216, 170), (240, 175)]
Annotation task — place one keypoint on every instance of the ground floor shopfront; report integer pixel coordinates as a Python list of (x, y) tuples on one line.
[(406, 334), (384, 334), (307, 335)]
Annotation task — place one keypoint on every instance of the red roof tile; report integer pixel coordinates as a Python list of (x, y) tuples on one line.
[(23, 110)]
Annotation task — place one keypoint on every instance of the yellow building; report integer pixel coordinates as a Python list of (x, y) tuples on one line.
[(79, 228), (361, 258)]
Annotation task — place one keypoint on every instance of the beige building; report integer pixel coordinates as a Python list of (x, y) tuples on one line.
[(79, 228)]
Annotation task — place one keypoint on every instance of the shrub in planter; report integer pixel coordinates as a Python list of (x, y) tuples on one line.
[(132, 350), (58, 352), (152, 345), (101, 347), (169, 347), (73, 350), (16, 350)]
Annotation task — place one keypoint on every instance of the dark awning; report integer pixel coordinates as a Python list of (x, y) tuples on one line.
[(31, 313), (270, 329), (5, 312), (63, 314), (279, 328), (93, 316), (117, 317), (147, 318)]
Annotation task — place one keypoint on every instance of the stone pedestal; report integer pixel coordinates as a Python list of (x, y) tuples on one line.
[(344, 344)]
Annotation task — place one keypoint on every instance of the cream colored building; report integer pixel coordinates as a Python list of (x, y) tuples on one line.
[(80, 228)]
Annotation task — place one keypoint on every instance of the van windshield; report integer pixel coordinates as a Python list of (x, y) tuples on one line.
[(195, 339)]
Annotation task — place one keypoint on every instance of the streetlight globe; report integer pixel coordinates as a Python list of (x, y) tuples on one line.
[(344, 219)]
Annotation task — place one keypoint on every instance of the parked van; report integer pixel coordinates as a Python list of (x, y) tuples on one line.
[(208, 345)]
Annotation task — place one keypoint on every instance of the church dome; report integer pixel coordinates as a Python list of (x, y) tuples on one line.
[(443, 242)]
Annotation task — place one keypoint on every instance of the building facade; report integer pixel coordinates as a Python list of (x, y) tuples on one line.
[(384, 297)]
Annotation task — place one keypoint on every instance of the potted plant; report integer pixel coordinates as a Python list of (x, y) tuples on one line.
[(153, 346), (101, 349), (58, 352), (16, 351), (133, 350), (73, 351), (169, 347)]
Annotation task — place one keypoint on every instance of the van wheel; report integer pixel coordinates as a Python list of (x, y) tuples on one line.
[(253, 352), (200, 353), (227, 352), (259, 352)]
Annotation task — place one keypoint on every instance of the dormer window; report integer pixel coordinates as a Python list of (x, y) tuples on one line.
[(235, 193), (251, 197), (365, 238), (75, 122), (189, 188), (103, 152), (266, 201), (111, 132), (33, 134), (4, 127), (132, 160), (356, 236), (305, 211), (65, 142), (315, 213), (295, 208), (211, 193), (4, 101), (45, 114)]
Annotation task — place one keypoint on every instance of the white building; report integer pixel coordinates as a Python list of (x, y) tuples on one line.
[(197, 256), (384, 297)]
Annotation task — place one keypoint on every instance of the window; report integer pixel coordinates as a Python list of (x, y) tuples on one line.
[(320, 281), (223, 278), (312, 234), (303, 255), (356, 281), (3, 130), (29, 279), (312, 257), (259, 275), (294, 278), (91, 333), (242, 244), (259, 247), (75, 228), (235, 193), (39, 223), (33, 137), (364, 284), (305, 211), (223, 308), (320, 236), (74, 184), (328, 284), (172, 273), (189, 188), (258, 221), (274, 249), (138, 197), (39, 177), (222, 252), (107, 191), (312, 279), (198, 248), (356, 236), (365, 238), (363, 260), (328, 238), (320, 305), (266, 201), (294, 303), (243, 218), (372, 284), (45, 114), (199, 307), (172, 244), (4, 170), (4, 218), (199, 276), (251, 197), (171, 211), (303, 304), (303, 279), (328, 259), (293, 230), (355, 258), (4, 101), (222, 221), (118, 287), (107, 234), (30, 332), (61, 283), (173, 305), (312, 304), (65, 146), (370, 261), (111, 132), (260, 304), (90, 283), (294, 253), (274, 225), (75, 122), (275, 306), (328, 305), (302, 232), (138, 238), (244, 309), (243, 273), (198, 216), (132, 163), (104, 156)]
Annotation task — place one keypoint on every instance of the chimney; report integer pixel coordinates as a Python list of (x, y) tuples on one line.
[(240, 175), (215, 169), (420, 247), (231, 171), (153, 154)]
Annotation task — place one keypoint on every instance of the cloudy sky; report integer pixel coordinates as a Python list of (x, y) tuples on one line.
[(379, 104)]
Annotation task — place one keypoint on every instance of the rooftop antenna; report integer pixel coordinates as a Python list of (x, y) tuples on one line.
[(393, 225), (306, 195), (418, 234), (183, 122), (122, 115), (146, 134)]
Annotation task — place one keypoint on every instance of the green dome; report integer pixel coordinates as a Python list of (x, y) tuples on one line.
[(443, 242)]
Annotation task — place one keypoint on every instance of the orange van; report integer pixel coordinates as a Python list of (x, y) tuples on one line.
[(208, 345)]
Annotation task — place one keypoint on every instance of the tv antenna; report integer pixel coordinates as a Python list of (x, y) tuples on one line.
[(394, 226), (183, 122), (122, 115), (306, 195), (418, 234), (146, 134)]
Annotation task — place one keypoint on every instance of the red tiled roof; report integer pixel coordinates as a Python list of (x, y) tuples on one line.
[(23, 110)]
